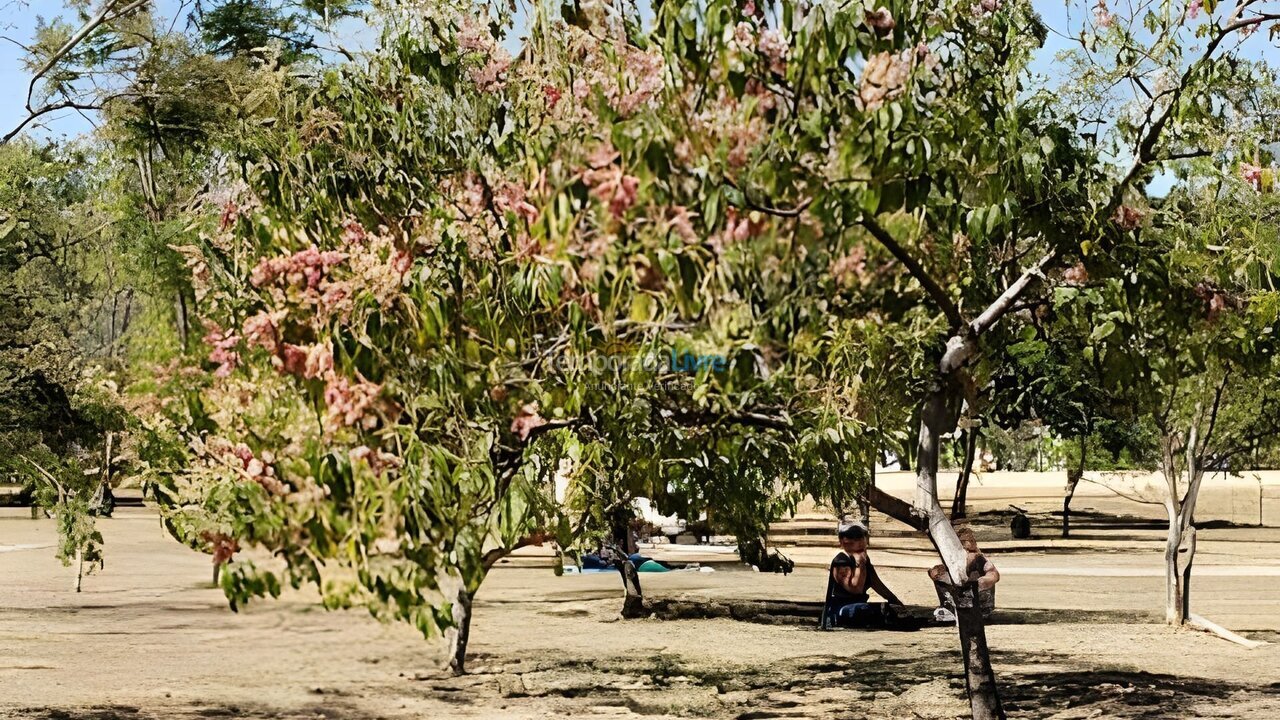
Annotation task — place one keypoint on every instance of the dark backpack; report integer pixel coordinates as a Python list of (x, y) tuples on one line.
[(1020, 526)]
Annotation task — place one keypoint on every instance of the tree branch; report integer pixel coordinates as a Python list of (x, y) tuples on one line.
[(899, 510), (104, 15), (1146, 149), (935, 291), (45, 110), (1005, 302)]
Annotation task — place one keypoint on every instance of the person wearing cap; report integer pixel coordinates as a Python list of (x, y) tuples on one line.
[(850, 576)]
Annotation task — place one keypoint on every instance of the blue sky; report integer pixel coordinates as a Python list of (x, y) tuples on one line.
[(18, 22)]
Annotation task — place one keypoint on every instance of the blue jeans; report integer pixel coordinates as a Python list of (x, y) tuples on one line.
[(861, 615)]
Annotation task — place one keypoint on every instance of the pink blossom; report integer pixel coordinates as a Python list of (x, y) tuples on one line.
[(1128, 218), (1075, 275), (510, 197), (749, 8), (335, 297), (292, 359), (1102, 16), (737, 228), (681, 222), (401, 262), (258, 469), (602, 156), (353, 233), (552, 95), (230, 213), (683, 150), (305, 267), (262, 329), (349, 404), (643, 73), (775, 49), (378, 461), (319, 361), (526, 420), (986, 7), (851, 268), (1251, 174), (613, 186), (223, 353), (243, 453), (491, 77), (1217, 304), (1193, 8), (473, 36)]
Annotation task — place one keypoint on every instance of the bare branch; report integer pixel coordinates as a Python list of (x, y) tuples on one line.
[(931, 286), (45, 110), (1005, 302), (111, 10), (1145, 152)]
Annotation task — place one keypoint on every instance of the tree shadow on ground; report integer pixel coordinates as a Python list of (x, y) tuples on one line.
[(195, 711), (871, 685), (1040, 616), (800, 613), (1127, 694)]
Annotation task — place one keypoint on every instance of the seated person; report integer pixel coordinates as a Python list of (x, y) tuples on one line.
[(850, 576), (980, 570)]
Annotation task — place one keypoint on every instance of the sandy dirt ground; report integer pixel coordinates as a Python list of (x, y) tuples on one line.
[(1079, 635)]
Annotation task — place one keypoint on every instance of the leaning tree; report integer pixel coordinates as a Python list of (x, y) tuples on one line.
[(915, 133)]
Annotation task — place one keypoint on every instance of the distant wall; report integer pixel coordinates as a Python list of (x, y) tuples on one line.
[(1236, 498)]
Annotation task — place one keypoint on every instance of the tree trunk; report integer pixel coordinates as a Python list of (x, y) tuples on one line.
[(79, 568), (1173, 608), (962, 484), (633, 601), (937, 417), (979, 678), (864, 505), (1190, 539), (124, 322), (1073, 479), (181, 314), (458, 635)]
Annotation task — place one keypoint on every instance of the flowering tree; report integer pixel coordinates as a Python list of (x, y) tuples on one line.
[(406, 306), (450, 283)]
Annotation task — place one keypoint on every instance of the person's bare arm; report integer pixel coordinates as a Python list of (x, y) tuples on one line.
[(989, 578), (883, 590)]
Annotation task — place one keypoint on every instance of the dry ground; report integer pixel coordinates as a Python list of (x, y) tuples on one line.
[(1078, 637)]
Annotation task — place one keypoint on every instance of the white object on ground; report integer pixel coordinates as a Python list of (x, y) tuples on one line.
[(1212, 627)]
